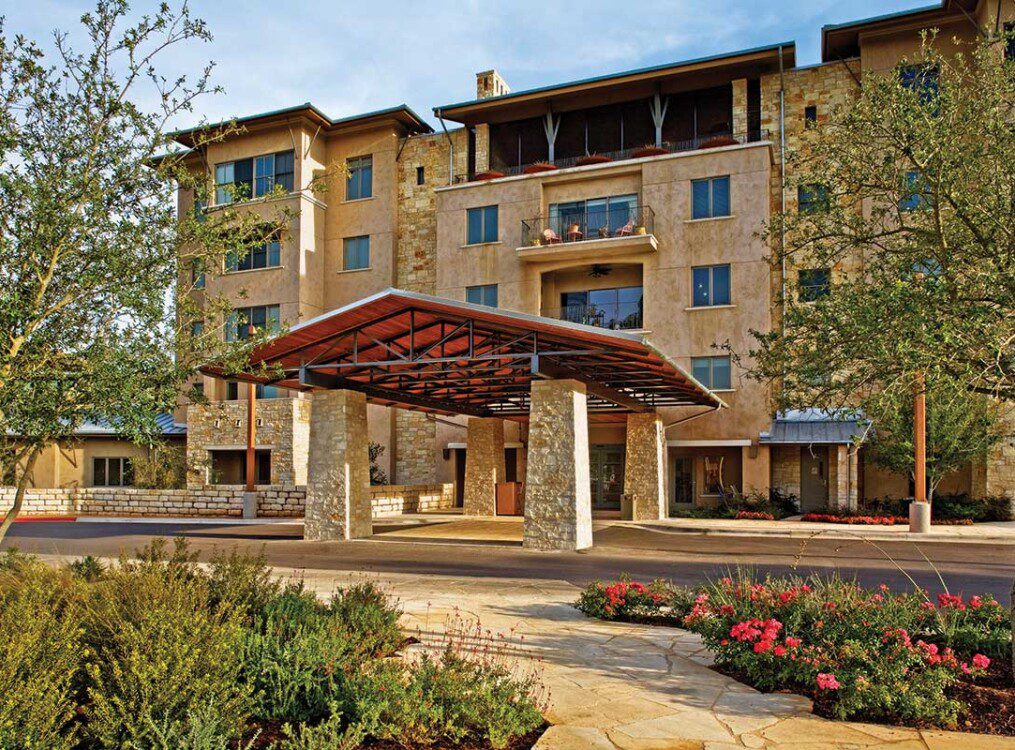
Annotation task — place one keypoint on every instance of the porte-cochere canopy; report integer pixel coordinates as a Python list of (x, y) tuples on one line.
[(426, 353)]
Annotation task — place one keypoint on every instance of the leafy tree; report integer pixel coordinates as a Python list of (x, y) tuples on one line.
[(901, 260), (90, 244), (961, 428), (913, 192)]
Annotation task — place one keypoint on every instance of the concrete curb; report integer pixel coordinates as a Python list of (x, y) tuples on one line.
[(859, 534)]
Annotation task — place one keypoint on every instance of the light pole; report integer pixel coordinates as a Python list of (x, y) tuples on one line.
[(250, 497), (919, 509)]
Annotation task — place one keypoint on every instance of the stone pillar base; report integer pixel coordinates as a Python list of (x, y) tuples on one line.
[(338, 470), (919, 518), (645, 467), (558, 500), (484, 466)]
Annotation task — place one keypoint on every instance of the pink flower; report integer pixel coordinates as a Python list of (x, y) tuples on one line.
[(763, 646), (726, 609), (779, 651), (975, 602), (980, 661), (827, 681), (927, 605), (950, 601), (792, 642)]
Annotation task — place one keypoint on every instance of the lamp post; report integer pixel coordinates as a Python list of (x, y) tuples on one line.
[(919, 509), (250, 497)]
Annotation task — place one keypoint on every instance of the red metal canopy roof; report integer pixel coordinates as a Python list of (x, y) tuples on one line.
[(427, 353)]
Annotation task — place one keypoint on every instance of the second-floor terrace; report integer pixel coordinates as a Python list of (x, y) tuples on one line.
[(696, 104)]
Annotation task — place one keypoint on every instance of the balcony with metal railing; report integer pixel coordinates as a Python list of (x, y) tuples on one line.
[(577, 232), (617, 316)]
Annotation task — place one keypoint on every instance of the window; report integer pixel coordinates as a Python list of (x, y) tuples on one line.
[(712, 372), (267, 391), (482, 225), (266, 255), (360, 182), (618, 308), (356, 253), (260, 317), (710, 198), (232, 391), (923, 79), (1009, 47), (711, 285), (112, 472), (253, 178), (197, 328), (914, 198), (482, 295), (420, 176), (813, 283), (810, 115), (609, 216), (811, 198)]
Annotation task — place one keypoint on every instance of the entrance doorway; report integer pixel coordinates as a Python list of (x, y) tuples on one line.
[(606, 469), (683, 481), (813, 478)]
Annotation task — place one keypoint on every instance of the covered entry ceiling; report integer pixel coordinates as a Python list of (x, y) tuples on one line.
[(427, 353)]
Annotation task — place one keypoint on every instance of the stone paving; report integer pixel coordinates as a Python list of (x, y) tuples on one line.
[(628, 687)]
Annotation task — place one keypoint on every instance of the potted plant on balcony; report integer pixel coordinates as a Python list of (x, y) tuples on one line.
[(492, 174), (649, 149), (539, 166), (717, 141), (588, 159)]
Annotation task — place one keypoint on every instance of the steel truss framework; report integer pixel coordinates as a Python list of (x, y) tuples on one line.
[(436, 355)]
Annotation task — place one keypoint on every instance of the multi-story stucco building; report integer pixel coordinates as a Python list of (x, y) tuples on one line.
[(632, 201)]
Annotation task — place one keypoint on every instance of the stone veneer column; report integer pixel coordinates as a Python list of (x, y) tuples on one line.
[(338, 471), (558, 500), (484, 466), (842, 478), (415, 451), (645, 467)]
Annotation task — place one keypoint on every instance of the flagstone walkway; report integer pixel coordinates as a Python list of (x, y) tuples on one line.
[(628, 687)]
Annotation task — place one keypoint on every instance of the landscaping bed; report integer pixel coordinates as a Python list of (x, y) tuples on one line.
[(866, 520), (871, 655), (161, 652)]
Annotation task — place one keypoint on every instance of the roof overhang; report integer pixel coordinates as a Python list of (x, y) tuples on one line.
[(816, 427), (841, 41), (437, 355), (312, 116), (618, 87)]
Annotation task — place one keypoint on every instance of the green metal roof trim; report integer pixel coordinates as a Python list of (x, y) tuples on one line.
[(403, 108), (884, 17), (623, 74)]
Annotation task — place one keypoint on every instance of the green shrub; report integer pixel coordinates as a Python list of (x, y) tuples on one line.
[(242, 580), (330, 734), (157, 650), (367, 616), (40, 649), (87, 568), (630, 601)]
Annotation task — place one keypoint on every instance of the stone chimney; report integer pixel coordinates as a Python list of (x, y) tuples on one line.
[(489, 83)]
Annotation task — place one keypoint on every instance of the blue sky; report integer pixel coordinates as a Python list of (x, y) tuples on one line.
[(350, 57)]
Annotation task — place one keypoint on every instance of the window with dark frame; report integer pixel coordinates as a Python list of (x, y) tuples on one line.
[(360, 182), (710, 197), (232, 391), (1009, 45), (711, 285), (813, 283), (356, 253), (915, 196), (259, 317), (810, 114), (811, 198), (420, 175), (712, 372), (481, 225), (485, 294), (115, 471), (255, 177), (265, 255)]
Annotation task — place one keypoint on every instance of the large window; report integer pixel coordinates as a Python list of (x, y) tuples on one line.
[(595, 217), (711, 285), (481, 225), (112, 472), (1009, 47), (253, 178), (712, 372), (356, 253), (360, 182), (921, 78), (485, 294), (259, 317), (813, 283), (617, 308), (915, 196), (710, 198), (266, 255)]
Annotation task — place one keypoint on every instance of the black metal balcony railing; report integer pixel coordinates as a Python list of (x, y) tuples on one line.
[(618, 316), (712, 140), (590, 224)]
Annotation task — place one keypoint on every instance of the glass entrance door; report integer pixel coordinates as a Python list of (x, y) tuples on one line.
[(606, 470), (683, 490)]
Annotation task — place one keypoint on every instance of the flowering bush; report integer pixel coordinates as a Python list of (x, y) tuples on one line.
[(864, 520), (754, 515), (865, 653), (628, 600)]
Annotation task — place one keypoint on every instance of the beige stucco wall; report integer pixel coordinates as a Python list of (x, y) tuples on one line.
[(69, 464)]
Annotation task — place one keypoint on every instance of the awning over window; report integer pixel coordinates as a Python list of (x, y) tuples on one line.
[(438, 355), (806, 426)]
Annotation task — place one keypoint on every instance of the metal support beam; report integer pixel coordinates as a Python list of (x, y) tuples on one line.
[(543, 369)]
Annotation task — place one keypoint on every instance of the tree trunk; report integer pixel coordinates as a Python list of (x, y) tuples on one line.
[(19, 494)]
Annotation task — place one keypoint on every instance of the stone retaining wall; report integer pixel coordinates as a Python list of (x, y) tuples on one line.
[(274, 501)]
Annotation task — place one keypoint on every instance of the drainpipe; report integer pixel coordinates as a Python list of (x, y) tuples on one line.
[(451, 149), (682, 420), (782, 181)]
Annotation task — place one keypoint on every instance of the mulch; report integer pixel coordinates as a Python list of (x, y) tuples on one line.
[(270, 734)]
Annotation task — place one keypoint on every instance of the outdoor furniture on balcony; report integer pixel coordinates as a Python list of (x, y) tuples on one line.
[(588, 225), (617, 316)]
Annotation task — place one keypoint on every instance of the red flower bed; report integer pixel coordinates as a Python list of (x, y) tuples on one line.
[(753, 515), (878, 520)]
